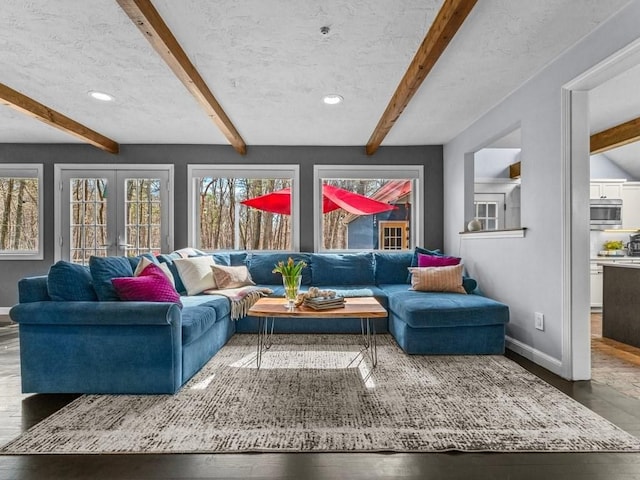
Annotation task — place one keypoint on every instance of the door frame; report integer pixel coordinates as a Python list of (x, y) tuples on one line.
[(62, 168)]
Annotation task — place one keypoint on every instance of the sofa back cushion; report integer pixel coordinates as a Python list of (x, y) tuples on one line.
[(70, 282), (261, 267), (103, 270), (342, 269), (392, 267)]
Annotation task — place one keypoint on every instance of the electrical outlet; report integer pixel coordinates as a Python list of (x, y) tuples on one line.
[(539, 320)]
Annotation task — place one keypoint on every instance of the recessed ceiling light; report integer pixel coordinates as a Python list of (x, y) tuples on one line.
[(103, 97), (332, 99)]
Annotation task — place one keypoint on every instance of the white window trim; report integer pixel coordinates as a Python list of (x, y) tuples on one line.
[(365, 172), (60, 168), (28, 170), (291, 172)]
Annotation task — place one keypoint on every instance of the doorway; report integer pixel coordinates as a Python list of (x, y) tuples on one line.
[(106, 210)]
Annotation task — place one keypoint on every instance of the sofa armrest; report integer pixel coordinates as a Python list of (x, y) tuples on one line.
[(96, 313), (33, 289)]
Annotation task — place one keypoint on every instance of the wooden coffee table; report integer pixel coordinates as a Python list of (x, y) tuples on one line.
[(365, 308)]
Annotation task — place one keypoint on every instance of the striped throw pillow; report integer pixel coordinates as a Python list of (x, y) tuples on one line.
[(437, 279)]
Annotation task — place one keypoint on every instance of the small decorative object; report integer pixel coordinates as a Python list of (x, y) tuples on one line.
[(474, 225), (612, 248), (291, 276)]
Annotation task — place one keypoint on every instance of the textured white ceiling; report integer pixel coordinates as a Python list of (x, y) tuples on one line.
[(268, 65)]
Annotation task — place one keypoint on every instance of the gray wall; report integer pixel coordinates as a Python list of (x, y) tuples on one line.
[(182, 155)]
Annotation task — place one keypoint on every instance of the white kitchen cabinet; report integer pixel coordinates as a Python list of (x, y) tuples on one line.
[(631, 206), (606, 189), (596, 286)]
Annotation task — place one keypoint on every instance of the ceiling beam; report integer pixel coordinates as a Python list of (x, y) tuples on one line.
[(444, 27), (153, 28), (18, 101), (627, 132)]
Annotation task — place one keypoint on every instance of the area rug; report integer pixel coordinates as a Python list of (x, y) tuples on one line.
[(319, 393)]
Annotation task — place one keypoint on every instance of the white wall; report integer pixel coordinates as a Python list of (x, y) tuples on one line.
[(526, 273), (603, 167)]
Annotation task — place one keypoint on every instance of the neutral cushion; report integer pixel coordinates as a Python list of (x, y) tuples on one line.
[(145, 262), (70, 282), (231, 277), (196, 274), (103, 270), (342, 269), (437, 279)]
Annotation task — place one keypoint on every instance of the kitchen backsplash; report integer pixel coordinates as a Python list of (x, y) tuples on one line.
[(599, 237)]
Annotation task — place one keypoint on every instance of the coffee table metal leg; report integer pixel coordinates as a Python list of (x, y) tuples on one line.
[(265, 337), (368, 331)]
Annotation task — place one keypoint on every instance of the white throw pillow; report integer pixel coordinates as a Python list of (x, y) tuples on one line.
[(196, 274), (145, 262)]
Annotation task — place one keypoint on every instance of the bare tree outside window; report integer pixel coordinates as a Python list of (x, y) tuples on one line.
[(19, 214)]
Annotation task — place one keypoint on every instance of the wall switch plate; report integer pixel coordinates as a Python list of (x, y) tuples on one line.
[(539, 320)]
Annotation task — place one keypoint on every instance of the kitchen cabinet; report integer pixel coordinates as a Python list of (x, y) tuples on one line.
[(631, 206), (606, 189), (596, 286)]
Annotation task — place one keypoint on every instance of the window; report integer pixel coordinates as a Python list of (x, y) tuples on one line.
[(249, 207), (487, 214), (367, 207), (21, 212), (105, 210)]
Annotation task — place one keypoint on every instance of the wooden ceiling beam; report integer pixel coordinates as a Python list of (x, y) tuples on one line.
[(627, 132), (144, 15), (20, 102), (444, 27)]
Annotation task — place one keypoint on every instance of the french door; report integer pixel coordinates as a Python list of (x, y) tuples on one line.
[(105, 210)]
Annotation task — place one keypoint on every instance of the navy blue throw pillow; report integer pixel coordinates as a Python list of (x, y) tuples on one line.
[(70, 282), (103, 269)]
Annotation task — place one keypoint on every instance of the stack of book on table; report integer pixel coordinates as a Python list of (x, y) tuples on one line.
[(324, 303)]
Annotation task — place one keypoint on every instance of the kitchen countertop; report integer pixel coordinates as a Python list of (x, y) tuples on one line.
[(622, 265), (614, 259)]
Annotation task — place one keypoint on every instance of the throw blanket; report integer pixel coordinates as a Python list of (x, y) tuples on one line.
[(242, 298)]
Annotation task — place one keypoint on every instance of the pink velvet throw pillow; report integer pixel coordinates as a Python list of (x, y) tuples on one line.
[(152, 285), (437, 260)]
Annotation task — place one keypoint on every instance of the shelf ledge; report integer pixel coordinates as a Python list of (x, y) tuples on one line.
[(509, 233)]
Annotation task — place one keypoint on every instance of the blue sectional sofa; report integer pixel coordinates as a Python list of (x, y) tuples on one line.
[(70, 342)]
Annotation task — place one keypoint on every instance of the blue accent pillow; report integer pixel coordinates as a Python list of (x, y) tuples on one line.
[(261, 267), (342, 269), (136, 260), (392, 267), (423, 251), (70, 282), (237, 258), (103, 269), (223, 259), (469, 284)]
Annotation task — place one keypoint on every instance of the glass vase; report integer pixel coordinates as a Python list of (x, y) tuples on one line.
[(291, 287)]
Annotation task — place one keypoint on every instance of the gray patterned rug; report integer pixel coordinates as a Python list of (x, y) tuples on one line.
[(317, 393)]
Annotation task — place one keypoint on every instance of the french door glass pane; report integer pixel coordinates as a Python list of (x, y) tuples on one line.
[(88, 232), (142, 216)]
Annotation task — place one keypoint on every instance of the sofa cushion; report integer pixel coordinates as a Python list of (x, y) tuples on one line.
[(441, 309), (414, 260), (342, 269), (196, 274), (135, 261), (261, 267), (196, 321), (168, 259), (219, 303), (103, 269), (437, 279), (392, 267), (152, 285), (70, 282), (237, 258)]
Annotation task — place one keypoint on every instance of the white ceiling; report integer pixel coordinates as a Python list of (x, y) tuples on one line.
[(268, 65)]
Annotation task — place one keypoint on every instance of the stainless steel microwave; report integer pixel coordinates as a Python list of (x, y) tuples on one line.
[(605, 213)]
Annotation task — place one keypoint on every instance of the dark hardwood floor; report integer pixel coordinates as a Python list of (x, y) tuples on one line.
[(18, 412)]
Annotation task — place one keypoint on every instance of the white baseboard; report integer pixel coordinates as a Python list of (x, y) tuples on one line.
[(536, 356)]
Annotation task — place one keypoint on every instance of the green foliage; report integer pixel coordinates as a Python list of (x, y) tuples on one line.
[(613, 245)]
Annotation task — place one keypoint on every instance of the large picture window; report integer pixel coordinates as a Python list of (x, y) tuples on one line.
[(367, 207), (21, 212), (243, 208)]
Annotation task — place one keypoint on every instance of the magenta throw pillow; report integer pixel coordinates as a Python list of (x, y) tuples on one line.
[(151, 286), (437, 260)]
